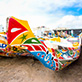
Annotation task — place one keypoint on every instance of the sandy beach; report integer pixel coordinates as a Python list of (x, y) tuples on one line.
[(24, 69)]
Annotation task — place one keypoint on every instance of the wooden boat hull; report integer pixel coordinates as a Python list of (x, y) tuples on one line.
[(54, 54)]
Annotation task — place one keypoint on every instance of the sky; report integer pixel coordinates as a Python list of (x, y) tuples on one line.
[(49, 13)]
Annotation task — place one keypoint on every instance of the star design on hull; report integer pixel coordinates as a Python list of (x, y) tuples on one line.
[(23, 38)]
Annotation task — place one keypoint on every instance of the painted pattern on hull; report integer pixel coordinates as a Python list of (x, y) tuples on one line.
[(21, 41)]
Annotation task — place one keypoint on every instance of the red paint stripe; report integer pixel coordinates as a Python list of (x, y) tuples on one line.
[(53, 51), (43, 43), (57, 64), (44, 49), (37, 47), (29, 47), (61, 58), (69, 48), (56, 60), (56, 69)]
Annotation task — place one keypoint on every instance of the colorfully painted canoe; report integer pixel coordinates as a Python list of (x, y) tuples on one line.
[(55, 53)]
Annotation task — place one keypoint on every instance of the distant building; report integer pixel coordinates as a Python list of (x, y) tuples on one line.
[(39, 31), (1, 28), (73, 32)]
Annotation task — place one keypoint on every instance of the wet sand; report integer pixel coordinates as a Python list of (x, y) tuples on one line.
[(23, 69)]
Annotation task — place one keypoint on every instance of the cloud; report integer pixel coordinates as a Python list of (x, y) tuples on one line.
[(40, 12), (70, 21)]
